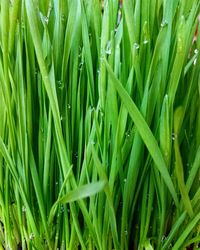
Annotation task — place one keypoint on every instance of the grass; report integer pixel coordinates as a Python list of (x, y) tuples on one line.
[(99, 124)]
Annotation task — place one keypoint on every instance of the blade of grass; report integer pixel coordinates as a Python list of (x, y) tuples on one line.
[(145, 133)]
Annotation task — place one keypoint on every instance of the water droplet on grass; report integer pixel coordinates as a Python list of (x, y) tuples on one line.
[(22, 25), (23, 209), (128, 134), (145, 41), (108, 50), (43, 18), (80, 67), (32, 236), (101, 112), (91, 108), (136, 46), (93, 142), (63, 18), (174, 136), (60, 85), (164, 23), (62, 208), (46, 19), (163, 238)]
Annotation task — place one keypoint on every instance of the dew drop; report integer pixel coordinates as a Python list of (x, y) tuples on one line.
[(128, 134), (108, 48), (164, 23), (91, 108), (145, 41), (126, 232), (93, 142), (22, 25), (68, 106), (174, 136), (163, 238), (63, 18), (62, 208), (44, 19), (60, 85), (23, 209), (101, 112), (81, 65), (136, 46), (32, 236), (125, 180)]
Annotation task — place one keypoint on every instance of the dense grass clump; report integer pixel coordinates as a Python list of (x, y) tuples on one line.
[(99, 124)]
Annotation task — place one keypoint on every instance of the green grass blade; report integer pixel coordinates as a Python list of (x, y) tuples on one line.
[(145, 133)]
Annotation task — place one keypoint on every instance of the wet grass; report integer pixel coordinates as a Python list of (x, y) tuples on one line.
[(99, 124)]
